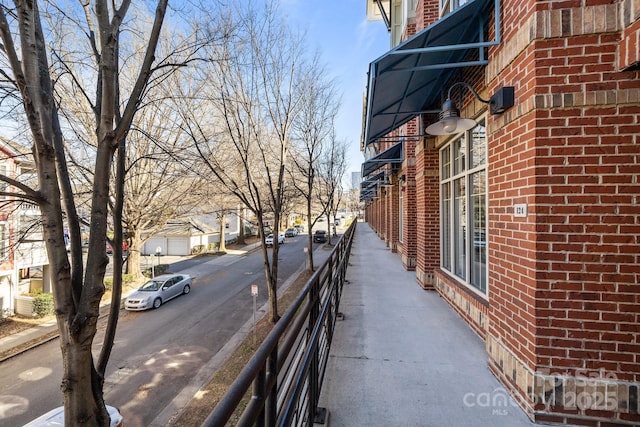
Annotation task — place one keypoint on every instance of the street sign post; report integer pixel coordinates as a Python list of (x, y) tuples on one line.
[(306, 250), (254, 294)]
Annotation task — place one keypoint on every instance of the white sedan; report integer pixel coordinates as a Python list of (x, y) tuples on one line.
[(158, 290), (268, 241)]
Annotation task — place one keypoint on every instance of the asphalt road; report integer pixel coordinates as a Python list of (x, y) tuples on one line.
[(157, 352)]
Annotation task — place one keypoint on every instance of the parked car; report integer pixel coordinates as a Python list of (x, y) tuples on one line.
[(299, 227), (55, 417), (125, 248), (268, 241), (291, 232), (320, 236), (158, 290)]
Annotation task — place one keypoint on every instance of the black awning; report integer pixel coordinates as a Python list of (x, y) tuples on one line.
[(410, 78), (369, 187), (367, 195), (394, 154), (372, 182)]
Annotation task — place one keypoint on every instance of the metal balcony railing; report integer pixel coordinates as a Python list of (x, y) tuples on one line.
[(288, 368)]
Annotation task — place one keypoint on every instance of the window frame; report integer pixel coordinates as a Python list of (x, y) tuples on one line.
[(401, 214), (4, 186), (4, 240), (448, 231), (448, 6)]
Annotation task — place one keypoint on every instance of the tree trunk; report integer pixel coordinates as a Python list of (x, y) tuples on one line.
[(77, 294), (222, 247), (241, 238), (78, 383), (310, 236), (273, 303), (133, 258)]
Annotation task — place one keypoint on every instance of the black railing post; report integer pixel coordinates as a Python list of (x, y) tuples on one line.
[(259, 391), (272, 396), (316, 414), (313, 369)]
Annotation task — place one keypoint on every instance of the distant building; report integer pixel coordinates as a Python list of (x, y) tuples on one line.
[(356, 178)]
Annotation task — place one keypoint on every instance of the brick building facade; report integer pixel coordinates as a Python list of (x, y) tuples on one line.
[(528, 224)]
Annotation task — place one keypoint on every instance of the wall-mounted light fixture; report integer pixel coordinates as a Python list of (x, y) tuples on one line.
[(386, 182), (450, 121)]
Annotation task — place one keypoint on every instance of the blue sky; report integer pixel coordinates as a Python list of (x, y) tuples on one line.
[(347, 43)]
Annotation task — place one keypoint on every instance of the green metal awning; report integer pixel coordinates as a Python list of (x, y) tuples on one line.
[(410, 78), (395, 154)]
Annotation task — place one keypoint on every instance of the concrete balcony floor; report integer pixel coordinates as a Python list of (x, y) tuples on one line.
[(403, 357)]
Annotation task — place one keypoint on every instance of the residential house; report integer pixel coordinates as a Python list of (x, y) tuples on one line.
[(182, 237), (24, 265)]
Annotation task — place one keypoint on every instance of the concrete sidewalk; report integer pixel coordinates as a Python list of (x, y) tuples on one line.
[(403, 357)]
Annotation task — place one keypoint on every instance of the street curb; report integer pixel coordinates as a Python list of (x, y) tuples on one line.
[(36, 342)]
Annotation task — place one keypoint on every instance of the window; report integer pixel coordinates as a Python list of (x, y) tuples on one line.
[(448, 6), (401, 214), (4, 187), (463, 206), (4, 244), (408, 12)]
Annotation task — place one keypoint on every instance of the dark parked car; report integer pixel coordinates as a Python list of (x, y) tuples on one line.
[(320, 236)]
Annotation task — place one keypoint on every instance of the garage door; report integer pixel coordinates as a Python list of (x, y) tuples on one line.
[(178, 246), (151, 245)]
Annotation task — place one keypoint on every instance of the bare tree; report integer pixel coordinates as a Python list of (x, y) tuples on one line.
[(242, 132), (77, 288), (157, 183), (221, 204), (331, 169), (312, 132)]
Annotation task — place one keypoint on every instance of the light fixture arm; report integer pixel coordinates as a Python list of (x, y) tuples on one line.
[(468, 86), (450, 122)]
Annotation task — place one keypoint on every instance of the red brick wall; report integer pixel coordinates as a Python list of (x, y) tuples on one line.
[(392, 235), (588, 215), (410, 247), (427, 195), (563, 284), (391, 199), (575, 258), (512, 268), (427, 12)]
